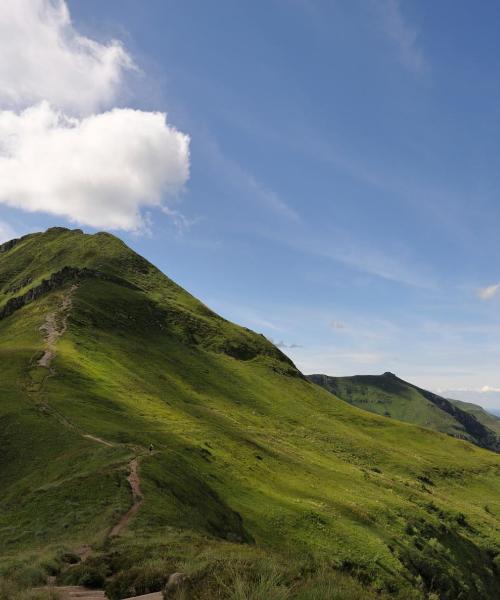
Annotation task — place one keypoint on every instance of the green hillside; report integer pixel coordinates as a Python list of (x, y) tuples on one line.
[(487, 419), (390, 396), (260, 484)]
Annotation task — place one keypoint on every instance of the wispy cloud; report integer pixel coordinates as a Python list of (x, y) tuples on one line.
[(364, 258), (241, 178), (246, 316), (6, 232), (489, 292), (402, 35), (285, 346), (375, 262), (331, 361)]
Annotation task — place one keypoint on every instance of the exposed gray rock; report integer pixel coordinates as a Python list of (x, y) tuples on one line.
[(57, 280), (175, 581)]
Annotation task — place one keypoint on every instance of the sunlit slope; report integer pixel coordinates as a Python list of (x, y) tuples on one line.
[(245, 448), (390, 396)]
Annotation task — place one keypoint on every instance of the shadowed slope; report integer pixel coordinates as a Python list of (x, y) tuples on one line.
[(489, 420)]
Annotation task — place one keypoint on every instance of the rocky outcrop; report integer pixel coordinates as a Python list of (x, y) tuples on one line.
[(57, 280), (18, 285), (6, 246)]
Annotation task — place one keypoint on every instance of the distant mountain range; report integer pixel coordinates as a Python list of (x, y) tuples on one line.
[(489, 398), (390, 396)]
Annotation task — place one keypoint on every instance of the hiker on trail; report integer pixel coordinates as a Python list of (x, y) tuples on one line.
[(150, 448)]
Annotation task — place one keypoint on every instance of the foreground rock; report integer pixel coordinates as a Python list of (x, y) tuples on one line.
[(81, 593)]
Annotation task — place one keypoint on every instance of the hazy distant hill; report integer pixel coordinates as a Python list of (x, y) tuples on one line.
[(390, 396), (488, 419), (488, 397), (256, 479)]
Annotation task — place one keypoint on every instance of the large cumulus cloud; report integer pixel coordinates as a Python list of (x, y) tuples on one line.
[(63, 149)]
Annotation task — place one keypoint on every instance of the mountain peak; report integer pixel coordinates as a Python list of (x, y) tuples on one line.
[(41, 263), (118, 386)]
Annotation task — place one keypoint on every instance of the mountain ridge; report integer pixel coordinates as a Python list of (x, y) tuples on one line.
[(254, 471)]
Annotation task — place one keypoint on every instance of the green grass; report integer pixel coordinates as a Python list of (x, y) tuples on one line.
[(252, 462)]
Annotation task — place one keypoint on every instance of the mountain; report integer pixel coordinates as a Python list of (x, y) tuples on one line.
[(489, 420), (390, 396), (143, 435), (485, 397)]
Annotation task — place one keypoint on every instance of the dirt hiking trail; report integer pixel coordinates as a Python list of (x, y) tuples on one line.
[(55, 326), (138, 499)]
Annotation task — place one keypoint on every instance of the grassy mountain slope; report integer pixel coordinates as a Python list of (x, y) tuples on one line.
[(253, 465), (483, 416), (392, 397)]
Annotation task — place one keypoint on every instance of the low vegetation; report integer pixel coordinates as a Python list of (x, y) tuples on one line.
[(260, 484)]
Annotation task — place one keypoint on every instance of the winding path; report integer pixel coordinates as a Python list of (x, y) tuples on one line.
[(135, 485), (54, 327)]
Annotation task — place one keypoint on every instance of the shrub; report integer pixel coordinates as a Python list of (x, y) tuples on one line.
[(12, 590), (91, 574), (142, 579)]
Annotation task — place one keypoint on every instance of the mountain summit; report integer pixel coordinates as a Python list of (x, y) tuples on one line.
[(143, 435)]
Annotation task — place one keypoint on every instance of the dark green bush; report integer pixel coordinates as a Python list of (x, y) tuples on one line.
[(91, 574), (136, 581)]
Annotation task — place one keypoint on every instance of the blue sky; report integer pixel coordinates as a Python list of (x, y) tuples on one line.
[(343, 189)]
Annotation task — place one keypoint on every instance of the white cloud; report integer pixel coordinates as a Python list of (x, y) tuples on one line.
[(487, 389), (401, 34), (98, 170), (42, 57), (59, 154), (489, 292)]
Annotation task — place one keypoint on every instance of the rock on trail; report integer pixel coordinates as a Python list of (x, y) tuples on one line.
[(155, 596), (81, 593)]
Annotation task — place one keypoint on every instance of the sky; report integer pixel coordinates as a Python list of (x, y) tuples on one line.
[(323, 172)]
